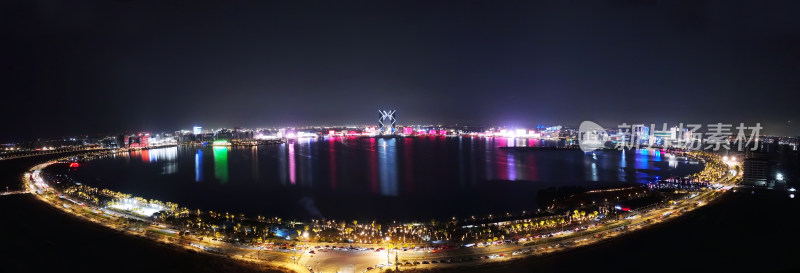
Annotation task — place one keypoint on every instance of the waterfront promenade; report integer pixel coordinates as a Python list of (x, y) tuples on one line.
[(361, 257)]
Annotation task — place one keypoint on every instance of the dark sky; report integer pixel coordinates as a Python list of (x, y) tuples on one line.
[(76, 67)]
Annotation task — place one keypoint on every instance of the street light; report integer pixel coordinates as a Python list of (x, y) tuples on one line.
[(258, 252), (388, 245)]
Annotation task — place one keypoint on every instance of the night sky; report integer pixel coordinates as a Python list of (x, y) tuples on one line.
[(77, 67)]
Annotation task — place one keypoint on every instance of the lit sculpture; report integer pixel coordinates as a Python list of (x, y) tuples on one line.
[(386, 121)]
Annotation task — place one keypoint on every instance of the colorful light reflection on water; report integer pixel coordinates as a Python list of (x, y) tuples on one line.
[(343, 172), (221, 164)]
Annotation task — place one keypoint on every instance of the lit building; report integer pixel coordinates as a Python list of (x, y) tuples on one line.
[(641, 134), (144, 139), (239, 133), (223, 134), (757, 170), (140, 140)]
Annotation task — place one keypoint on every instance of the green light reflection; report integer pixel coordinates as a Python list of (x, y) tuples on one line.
[(221, 164)]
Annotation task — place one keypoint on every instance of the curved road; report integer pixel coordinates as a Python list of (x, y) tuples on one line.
[(354, 260)]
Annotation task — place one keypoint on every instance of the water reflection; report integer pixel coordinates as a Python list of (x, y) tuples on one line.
[(512, 167), (198, 165), (307, 153), (221, 164), (641, 159), (461, 158), (488, 154), (292, 178), (168, 156), (398, 166), (254, 158), (510, 142), (338, 174), (282, 163), (373, 168), (332, 161), (594, 167), (162, 154), (387, 160), (408, 165), (673, 162), (532, 167)]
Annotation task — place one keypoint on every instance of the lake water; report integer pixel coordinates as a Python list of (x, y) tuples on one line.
[(371, 178)]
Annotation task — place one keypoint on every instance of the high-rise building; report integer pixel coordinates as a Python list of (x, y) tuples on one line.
[(757, 170), (121, 141), (144, 139), (239, 133), (223, 134)]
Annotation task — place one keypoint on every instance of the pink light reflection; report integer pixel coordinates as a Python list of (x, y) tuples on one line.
[(291, 164)]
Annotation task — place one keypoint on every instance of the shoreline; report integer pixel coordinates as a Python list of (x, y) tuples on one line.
[(299, 253), (274, 198)]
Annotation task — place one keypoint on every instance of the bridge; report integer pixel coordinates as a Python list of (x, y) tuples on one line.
[(14, 192), (24, 154)]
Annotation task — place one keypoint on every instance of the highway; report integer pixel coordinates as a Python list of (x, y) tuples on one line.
[(13, 192), (360, 259), (47, 152), (346, 261)]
